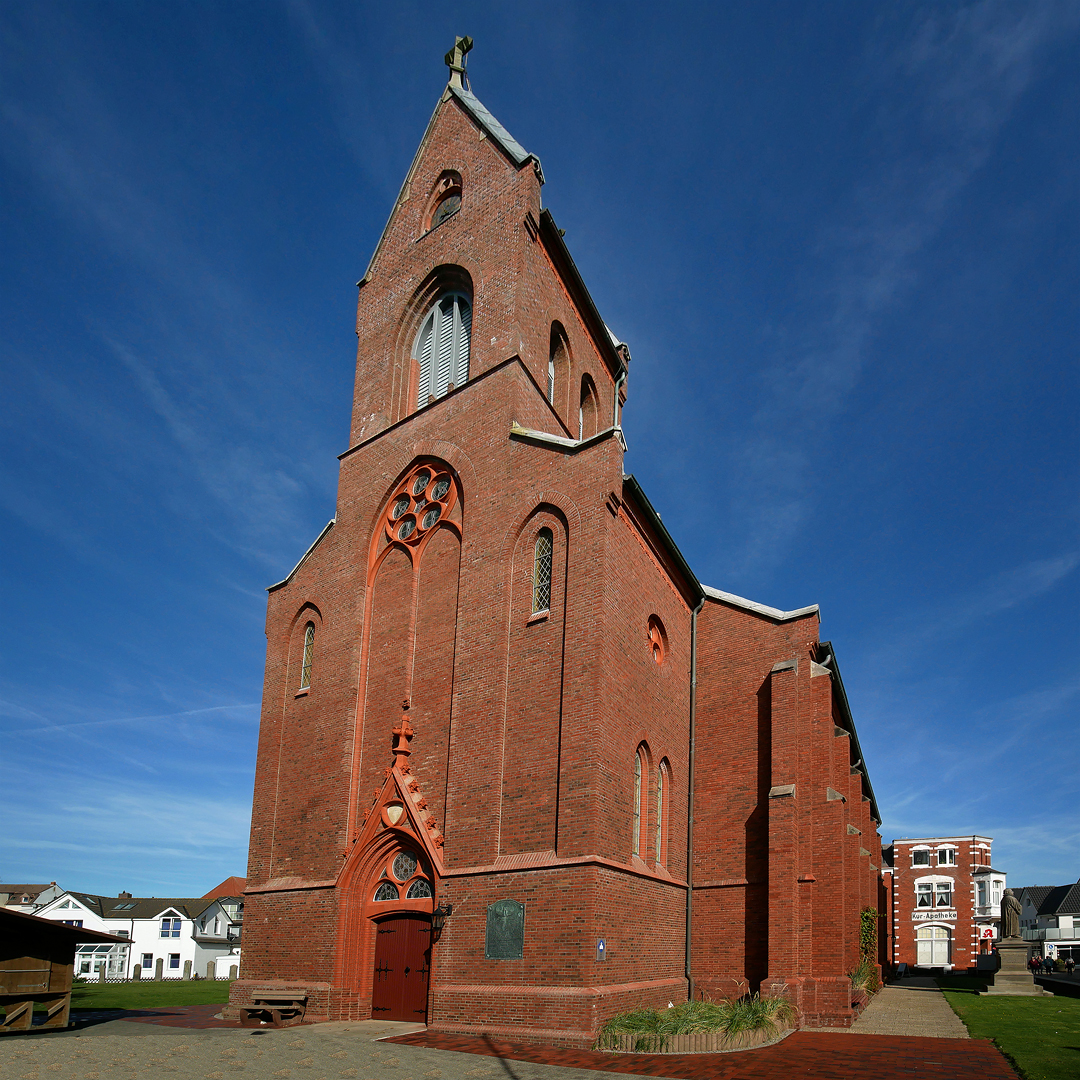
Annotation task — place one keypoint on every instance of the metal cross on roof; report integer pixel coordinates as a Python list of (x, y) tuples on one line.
[(455, 59)]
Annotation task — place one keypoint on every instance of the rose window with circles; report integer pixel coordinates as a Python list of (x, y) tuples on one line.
[(404, 878), (423, 499)]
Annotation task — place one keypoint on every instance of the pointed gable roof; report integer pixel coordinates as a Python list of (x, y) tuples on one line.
[(475, 109), (501, 137), (1063, 900)]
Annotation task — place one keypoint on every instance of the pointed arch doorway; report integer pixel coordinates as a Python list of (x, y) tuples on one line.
[(399, 989)]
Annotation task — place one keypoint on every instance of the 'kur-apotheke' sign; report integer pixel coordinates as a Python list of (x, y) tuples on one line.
[(923, 916)]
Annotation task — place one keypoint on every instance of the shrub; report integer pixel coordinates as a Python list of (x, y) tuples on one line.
[(864, 976), (652, 1027)]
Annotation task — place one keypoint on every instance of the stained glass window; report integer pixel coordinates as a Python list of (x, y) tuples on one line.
[(432, 516), (309, 653), (637, 803), (420, 482), (442, 486), (542, 571), (418, 890), (386, 891), (400, 506), (659, 812), (404, 866), (406, 529)]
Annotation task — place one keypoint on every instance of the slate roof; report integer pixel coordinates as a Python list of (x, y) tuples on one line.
[(140, 907), (1063, 900), (505, 141), (24, 890), (1034, 894)]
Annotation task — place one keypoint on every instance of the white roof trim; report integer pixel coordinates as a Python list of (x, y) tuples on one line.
[(761, 609), (531, 435), (285, 580)]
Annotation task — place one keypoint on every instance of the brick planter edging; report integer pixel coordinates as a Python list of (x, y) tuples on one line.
[(699, 1043)]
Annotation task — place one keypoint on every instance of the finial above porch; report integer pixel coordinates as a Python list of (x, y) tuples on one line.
[(455, 60)]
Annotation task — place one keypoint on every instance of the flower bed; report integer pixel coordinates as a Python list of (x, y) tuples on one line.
[(699, 1027)]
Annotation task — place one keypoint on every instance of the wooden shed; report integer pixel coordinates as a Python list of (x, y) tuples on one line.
[(37, 961)]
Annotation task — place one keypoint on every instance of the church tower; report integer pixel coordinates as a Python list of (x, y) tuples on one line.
[(474, 782)]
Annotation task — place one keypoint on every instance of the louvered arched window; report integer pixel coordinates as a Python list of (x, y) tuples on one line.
[(442, 347), (542, 554), (309, 655)]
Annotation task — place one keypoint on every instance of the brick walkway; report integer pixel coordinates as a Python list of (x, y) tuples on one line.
[(821, 1055)]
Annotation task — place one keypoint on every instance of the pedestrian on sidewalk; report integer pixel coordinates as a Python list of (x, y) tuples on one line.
[(1070, 963)]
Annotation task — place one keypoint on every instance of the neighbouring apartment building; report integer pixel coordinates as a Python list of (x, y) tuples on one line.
[(944, 901), (496, 694), (171, 932)]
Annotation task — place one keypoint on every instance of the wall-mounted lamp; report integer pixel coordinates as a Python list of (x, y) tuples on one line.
[(439, 917)]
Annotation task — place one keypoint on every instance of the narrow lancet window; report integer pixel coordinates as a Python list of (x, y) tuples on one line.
[(542, 571), (309, 654), (637, 804), (660, 813)]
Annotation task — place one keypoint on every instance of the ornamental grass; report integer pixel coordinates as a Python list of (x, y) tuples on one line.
[(731, 1019)]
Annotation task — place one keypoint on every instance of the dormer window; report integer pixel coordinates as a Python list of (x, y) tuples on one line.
[(442, 347)]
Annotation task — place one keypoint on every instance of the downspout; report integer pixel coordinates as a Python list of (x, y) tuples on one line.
[(690, 798)]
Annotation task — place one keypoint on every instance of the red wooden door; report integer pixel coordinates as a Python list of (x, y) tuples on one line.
[(402, 951)]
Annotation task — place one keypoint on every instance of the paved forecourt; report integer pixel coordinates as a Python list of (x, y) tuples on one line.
[(912, 1007), (380, 1050)]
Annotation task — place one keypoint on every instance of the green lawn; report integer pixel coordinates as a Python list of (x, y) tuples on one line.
[(148, 994), (1040, 1036)]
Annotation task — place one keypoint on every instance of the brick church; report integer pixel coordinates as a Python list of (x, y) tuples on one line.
[(518, 769)]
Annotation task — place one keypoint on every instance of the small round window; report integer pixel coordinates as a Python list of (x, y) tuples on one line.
[(404, 866), (657, 639)]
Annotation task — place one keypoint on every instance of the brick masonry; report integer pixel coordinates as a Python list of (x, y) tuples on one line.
[(524, 727)]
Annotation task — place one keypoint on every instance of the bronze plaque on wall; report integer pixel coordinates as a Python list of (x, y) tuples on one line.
[(505, 938)]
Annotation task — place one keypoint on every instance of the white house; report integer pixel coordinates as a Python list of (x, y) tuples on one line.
[(173, 932)]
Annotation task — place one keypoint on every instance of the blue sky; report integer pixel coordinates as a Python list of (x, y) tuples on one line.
[(841, 241)]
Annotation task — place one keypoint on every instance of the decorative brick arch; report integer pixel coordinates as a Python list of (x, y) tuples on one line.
[(398, 820)]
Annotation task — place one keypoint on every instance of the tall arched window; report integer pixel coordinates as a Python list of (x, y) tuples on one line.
[(442, 347), (542, 554), (587, 410), (637, 803), (309, 655), (662, 794), (558, 368)]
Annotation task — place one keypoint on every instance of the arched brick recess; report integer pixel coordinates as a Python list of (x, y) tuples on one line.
[(534, 694)]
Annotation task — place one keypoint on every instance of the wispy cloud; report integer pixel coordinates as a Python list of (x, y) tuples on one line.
[(241, 711), (950, 88)]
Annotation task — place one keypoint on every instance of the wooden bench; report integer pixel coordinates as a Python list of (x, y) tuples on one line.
[(274, 1006)]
